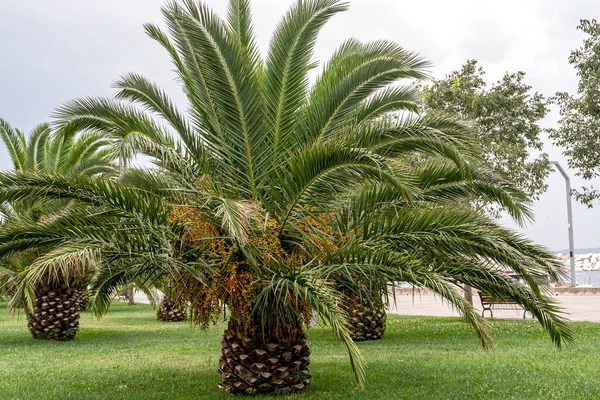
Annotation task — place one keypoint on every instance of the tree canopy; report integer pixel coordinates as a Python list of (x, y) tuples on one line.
[(270, 191), (506, 118), (578, 130)]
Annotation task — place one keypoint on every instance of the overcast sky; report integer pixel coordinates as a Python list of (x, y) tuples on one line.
[(54, 51)]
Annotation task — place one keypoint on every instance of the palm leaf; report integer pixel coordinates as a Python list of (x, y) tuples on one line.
[(288, 63), (356, 73), (15, 143)]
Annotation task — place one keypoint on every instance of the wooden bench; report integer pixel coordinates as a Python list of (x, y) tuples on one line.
[(488, 303)]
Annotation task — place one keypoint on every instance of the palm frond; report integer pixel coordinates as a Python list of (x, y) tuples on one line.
[(98, 192), (288, 63), (228, 77), (137, 89), (110, 117), (15, 143), (443, 183), (323, 171), (425, 135), (239, 24), (390, 99), (356, 72), (454, 231), (394, 267), (38, 139), (489, 279)]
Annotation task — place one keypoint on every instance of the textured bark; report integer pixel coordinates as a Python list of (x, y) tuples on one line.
[(56, 313), (131, 300), (367, 319), (169, 311), (269, 365), (84, 300)]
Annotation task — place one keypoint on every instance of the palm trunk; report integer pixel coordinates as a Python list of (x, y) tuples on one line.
[(469, 297), (469, 293), (260, 365), (170, 311), (56, 313), (84, 301), (131, 301), (367, 318)]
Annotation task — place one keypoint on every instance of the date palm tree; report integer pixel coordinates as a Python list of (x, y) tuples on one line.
[(442, 184), (56, 290), (171, 308), (270, 191)]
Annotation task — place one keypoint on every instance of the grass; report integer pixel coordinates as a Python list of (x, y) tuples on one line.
[(130, 355)]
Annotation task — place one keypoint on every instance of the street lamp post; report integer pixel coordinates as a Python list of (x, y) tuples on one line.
[(569, 219)]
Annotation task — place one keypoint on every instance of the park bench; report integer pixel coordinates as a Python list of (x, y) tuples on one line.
[(490, 303)]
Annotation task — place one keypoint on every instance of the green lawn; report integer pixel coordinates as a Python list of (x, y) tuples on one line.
[(130, 355)]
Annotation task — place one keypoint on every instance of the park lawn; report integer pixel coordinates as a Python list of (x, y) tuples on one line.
[(130, 355)]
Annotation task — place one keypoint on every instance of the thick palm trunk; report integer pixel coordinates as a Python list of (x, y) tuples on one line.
[(257, 365), (56, 313), (367, 318), (170, 311), (84, 300)]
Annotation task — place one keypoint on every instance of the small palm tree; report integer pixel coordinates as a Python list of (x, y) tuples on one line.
[(54, 288), (171, 308), (442, 184), (270, 193)]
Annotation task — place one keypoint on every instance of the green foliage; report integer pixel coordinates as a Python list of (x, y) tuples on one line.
[(506, 119), (578, 127), (268, 193), (129, 354), (63, 152)]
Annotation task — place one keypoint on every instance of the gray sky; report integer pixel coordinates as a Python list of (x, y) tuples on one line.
[(54, 51)]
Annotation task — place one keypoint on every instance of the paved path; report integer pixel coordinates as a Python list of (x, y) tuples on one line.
[(579, 308)]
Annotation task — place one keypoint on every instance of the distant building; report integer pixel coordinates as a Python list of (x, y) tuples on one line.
[(583, 262)]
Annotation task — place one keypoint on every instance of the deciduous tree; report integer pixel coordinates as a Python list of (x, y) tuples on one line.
[(578, 130), (506, 117)]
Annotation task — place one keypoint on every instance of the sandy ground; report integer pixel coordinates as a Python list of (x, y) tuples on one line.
[(578, 308)]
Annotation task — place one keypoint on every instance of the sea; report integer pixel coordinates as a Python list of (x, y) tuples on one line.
[(588, 278)]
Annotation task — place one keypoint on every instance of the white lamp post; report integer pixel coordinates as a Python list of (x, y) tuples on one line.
[(569, 219)]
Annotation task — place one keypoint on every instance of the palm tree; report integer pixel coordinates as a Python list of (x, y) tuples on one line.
[(170, 311), (171, 308), (442, 183), (56, 289), (270, 192)]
